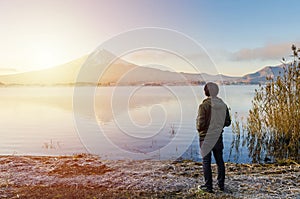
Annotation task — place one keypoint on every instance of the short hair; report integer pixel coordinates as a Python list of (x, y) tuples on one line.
[(211, 89)]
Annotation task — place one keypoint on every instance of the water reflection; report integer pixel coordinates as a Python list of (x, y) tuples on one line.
[(32, 118), (144, 122)]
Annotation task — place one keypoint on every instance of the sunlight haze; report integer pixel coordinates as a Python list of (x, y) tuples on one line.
[(240, 36)]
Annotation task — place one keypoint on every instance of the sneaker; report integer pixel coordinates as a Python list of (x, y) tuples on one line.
[(205, 189)]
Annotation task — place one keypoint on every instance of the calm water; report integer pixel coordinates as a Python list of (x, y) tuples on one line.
[(113, 122)]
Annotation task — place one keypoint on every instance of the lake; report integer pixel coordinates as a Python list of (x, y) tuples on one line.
[(126, 122)]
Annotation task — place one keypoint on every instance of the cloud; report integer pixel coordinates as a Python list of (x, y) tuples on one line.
[(267, 52)]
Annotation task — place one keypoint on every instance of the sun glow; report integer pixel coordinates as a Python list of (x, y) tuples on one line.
[(45, 55)]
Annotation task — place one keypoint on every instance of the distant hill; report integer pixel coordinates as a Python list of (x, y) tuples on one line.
[(65, 74), (62, 74), (124, 73), (261, 75)]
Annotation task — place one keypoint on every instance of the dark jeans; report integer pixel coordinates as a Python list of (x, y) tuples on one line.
[(218, 155)]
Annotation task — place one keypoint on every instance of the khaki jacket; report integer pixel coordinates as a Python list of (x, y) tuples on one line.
[(213, 116)]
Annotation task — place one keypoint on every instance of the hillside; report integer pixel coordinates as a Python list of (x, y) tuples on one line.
[(124, 73), (62, 74), (66, 73), (119, 72), (261, 75)]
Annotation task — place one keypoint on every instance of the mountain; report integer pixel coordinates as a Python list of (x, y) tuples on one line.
[(261, 75), (122, 72), (67, 73), (62, 74)]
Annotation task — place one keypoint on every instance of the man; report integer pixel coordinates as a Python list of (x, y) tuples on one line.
[(213, 116)]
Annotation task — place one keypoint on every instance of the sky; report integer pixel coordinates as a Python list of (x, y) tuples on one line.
[(239, 36)]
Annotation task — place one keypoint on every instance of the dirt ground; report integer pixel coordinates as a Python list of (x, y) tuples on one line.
[(88, 176)]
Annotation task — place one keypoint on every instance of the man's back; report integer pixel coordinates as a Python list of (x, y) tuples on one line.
[(213, 115)]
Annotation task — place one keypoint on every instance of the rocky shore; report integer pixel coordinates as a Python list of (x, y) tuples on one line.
[(88, 176)]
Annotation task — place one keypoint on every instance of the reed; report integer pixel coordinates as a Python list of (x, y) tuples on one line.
[(273, 124)]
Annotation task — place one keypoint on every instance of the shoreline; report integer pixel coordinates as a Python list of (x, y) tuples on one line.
[(88, 176)]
